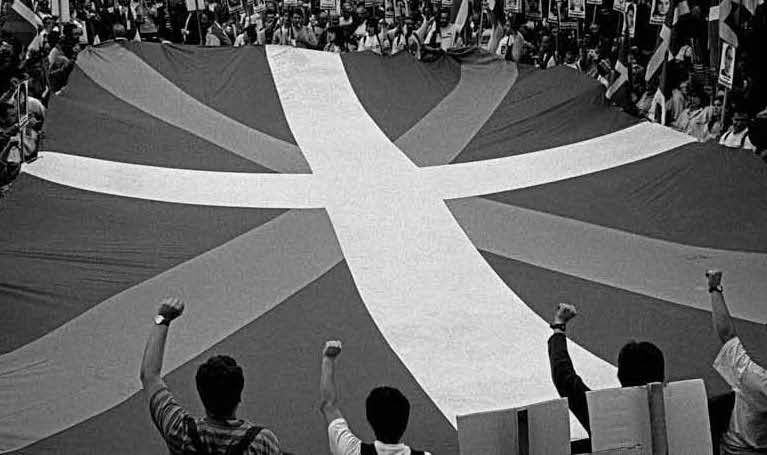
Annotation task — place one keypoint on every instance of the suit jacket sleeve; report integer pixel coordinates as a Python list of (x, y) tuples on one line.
[(568, 383)]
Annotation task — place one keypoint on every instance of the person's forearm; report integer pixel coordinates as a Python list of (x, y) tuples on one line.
[(151, 364), (328, 390), (721, 317)]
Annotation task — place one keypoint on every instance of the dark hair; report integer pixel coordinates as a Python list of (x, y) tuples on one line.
[(639, 364), (388, 412), (219, 383)]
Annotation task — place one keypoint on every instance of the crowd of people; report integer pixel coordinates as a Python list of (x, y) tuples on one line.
[(695, 103), (738, 418)]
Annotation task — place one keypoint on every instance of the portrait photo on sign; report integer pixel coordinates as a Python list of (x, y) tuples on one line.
[(533, 9), (553, 16), (630, 19), (22, 105), (727, 65), (659, 10), (619, 5), (576, 9), (513, 6), (234, 5)]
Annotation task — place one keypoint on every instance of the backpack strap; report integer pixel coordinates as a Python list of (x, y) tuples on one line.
[(368, 449), (242, 445), (194, 435)]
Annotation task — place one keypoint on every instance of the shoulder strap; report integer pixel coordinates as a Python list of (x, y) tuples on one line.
[(194, 435), (416, 452), (743, 139), (368, 449), (242, 445)]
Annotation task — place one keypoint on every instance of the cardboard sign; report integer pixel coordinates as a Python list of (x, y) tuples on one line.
[(727, 64), (619, 6), (234, 5), (673, 417), (542, 428), (328, 5)]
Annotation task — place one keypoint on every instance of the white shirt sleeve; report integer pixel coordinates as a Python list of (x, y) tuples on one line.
[(342, 440), (747, 378)]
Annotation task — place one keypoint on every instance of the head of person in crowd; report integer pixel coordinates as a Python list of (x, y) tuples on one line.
[(716, 109), (335, 36), (388, 412), (8, 115), (346, 10), (53, 37), (640, 363), (219, 383), (570, 56), (739, 120), (757, 134), (206, 19), (372, 28), (546, 45), (444, 17), (118, 30), (362, 13), (297, 18), (48, 24), (696, 99)]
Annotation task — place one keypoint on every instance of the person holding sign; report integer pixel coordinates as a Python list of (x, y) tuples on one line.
[(295, 33), (638, 364), (747, 429)]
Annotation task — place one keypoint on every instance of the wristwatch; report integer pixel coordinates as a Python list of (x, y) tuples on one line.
[(161, 320), (561, 326), (718, 288)]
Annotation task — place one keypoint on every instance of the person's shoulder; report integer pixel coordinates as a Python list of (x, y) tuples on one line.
[(265, 442)]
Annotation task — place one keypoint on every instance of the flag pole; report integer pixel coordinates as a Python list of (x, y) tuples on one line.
[(199, 25)]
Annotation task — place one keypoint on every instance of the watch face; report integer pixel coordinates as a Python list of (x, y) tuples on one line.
[(159, 319)]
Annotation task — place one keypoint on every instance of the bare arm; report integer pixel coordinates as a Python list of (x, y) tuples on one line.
[(151, 364), (720, 315), (328, 388)]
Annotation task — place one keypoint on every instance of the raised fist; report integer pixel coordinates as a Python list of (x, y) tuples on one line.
[(171, 308), (564, 313), (714, 278), (332, 349)]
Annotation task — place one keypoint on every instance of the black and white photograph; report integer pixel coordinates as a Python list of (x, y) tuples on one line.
[(659, 10), (384, 227)]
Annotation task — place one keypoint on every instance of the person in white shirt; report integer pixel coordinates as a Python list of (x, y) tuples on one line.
[(387, 410), (747, 430), (737, 135), (441, 33), (373, 40)]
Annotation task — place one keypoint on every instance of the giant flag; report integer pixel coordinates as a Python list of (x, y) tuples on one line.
[(429, 215)]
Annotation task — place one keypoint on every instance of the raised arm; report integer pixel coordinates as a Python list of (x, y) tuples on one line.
[(566, 380), (151, 364), (328, 389), (720, 315)]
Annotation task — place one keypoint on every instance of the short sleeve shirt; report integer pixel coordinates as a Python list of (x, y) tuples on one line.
[(344, 442), (748, 424), (168, 416)]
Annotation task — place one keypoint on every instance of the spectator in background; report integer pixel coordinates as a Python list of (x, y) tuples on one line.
[(372, 40), (747, 429), (638, 364), (737, 135), (440, 33), (694, 118), (10, 153), (387, 410), (219, 382), (715, 122), (546, 53), (215, 35), (571, 60), (295, 33), (335, 41), (678, 101)]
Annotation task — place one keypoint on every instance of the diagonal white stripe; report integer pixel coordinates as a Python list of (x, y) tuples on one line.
[(459, 329), (145, 88), (183, 186), (91, 363), (657, 268)]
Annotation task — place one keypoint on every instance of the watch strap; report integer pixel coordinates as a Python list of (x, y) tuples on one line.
[(161, 320), (560, 326), (717, 288)]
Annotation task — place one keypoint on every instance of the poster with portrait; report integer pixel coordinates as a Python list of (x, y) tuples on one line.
[(389, 11), (659, 10), (513, 6), (22, 111), (619, 6), (234, 5), (727, 64), (576, 9), (533, 9), (630, 19), (553, 16)]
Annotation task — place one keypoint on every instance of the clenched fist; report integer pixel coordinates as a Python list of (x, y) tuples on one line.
[(332, 349), (171, 308), (714, 278), (564, 313)]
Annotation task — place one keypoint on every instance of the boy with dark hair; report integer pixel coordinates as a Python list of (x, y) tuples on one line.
[(387, 411), (219, 382)]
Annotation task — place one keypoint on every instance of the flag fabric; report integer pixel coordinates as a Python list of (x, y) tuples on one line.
[(426, 214), (668, 42), (732, 15), (27, 13), (619, 90)]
